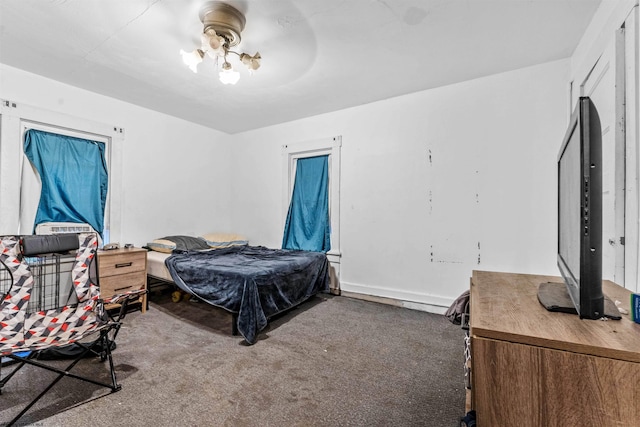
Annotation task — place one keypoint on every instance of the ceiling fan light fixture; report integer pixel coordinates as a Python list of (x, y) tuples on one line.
[(251, 62), (212, 43), (226, 20), (228, 75), (222, 29), (192, 59)]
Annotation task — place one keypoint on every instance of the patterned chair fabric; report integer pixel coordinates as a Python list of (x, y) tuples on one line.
[(20, 330)]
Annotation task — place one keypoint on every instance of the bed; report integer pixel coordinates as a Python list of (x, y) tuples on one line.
[(253, 283)]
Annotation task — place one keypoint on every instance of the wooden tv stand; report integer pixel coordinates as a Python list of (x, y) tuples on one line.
[(531, 367)]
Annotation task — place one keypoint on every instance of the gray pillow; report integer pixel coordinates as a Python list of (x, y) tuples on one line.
[(187, 243)]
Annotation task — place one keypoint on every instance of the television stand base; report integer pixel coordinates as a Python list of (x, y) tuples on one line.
[(554, 297)]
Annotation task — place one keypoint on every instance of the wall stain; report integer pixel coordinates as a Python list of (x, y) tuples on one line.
[(442, 261)]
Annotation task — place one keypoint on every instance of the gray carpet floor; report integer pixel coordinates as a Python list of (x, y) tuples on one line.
[(333, 361)]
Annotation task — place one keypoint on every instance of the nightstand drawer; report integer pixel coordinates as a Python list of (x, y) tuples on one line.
[(123, 270), (121, 263), (112, 285)]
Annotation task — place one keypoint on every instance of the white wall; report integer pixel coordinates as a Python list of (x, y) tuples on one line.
[(174, 173), (434, 184)]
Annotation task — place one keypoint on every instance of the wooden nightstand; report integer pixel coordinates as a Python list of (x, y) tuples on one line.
[(122, 270)]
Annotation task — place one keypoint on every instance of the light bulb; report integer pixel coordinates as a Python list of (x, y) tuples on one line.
[(228, 75), (212, 43), (192, 59), (252, 62)]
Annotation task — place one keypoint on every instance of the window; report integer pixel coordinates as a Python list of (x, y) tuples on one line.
[(307, 226), (73, 176), (19, 183), (323, 147)]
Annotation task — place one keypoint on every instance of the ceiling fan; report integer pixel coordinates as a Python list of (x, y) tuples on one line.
[(222, 29)]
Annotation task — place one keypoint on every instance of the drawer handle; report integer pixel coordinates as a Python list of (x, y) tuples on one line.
[(124, 264), (124, 287)]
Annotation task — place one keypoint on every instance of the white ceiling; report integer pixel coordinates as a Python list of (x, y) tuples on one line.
[(318, 55)]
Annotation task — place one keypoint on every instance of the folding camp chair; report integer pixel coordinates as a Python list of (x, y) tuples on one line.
[(37, 313)]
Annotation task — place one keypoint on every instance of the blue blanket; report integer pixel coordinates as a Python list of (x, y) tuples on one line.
[(252, 281)]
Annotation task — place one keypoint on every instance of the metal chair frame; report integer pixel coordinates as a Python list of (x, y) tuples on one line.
[(56, 323)]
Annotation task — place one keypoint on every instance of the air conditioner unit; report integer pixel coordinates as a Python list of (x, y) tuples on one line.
[(63, 227)]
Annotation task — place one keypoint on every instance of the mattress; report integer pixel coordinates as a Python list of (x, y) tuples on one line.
[(156, 267)]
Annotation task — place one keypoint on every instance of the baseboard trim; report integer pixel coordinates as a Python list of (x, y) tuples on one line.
[(410, 300)]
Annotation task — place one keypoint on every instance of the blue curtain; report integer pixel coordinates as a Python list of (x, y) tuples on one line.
[(307, 226), (74, 178)]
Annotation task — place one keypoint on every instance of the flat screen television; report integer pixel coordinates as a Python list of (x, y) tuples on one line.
[(580, 211)]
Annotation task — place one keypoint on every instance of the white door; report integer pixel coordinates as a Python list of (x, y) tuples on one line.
[(602, 85)]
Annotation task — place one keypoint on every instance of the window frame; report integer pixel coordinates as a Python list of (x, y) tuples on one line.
[(14, 119), (300, 150)]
